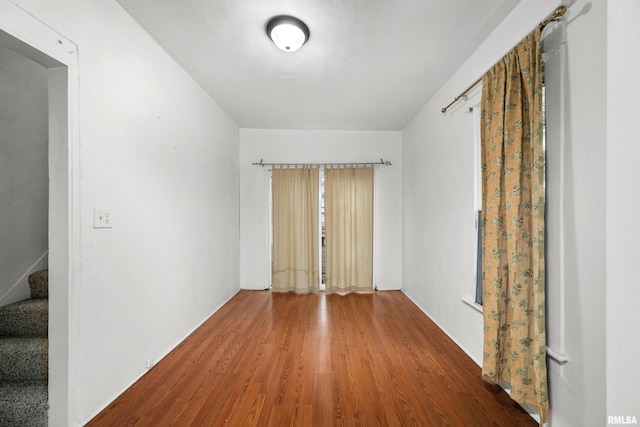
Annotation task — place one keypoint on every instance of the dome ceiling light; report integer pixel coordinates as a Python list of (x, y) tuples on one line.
[(287, 32)]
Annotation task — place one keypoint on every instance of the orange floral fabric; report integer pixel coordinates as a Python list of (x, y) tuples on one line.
[(513, 198)]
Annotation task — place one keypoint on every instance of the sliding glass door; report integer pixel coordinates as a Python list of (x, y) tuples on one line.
[(322, 228)]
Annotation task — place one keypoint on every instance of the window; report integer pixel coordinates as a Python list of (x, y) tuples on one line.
[(477, 196), (554, 111), (477, 203)]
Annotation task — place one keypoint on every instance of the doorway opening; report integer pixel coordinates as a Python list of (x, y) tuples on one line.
[(26, 39)]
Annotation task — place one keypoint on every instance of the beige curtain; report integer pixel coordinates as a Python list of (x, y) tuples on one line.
[(348, 201), (295, 229), (513, 194)]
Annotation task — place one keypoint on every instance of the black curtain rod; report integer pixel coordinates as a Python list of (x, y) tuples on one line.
[(381, 162)]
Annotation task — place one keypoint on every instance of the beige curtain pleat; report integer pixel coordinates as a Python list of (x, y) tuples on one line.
[(295, 229), (513, 199), (348, 195)]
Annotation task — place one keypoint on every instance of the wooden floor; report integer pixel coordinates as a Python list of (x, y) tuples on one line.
[(268, 359)]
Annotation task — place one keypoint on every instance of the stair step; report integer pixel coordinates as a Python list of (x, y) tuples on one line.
[(24, 359), (28, 318), (23, 404), (39, 284)]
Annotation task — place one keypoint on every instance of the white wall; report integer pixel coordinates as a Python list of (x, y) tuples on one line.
[(158, 151), (23, 172), (438, 227), (623, 202), (301, 146)]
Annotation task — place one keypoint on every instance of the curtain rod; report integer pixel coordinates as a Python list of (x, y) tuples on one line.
[(381, 162), (557, 14)]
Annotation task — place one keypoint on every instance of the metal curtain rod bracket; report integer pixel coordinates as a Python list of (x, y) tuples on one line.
[(557, 14), (381, 162)]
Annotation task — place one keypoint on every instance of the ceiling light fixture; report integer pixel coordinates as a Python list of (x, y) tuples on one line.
[(287, 32)]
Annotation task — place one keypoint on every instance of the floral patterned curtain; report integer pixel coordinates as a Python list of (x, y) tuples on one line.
[(513, 270)]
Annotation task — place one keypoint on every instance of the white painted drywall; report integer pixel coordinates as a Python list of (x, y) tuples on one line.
[(159, 152), (438, 227), (623, 204), (300, 146), (23, 173)]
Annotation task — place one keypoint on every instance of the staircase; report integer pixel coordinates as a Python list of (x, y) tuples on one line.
[(24, 350)]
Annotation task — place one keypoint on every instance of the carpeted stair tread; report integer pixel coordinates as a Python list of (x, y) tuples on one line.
[(39, 284), (23, 403), (24, 363), (28, 318), (24, 359)]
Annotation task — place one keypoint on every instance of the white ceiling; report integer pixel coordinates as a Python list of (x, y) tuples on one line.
[(368, 65)]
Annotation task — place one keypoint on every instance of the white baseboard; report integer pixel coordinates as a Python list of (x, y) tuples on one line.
[(156, 359)]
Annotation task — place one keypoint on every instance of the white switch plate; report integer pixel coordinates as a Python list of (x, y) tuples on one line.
[(102, 218)]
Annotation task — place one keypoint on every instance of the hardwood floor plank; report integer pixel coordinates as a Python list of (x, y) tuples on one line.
[(322, 359)]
